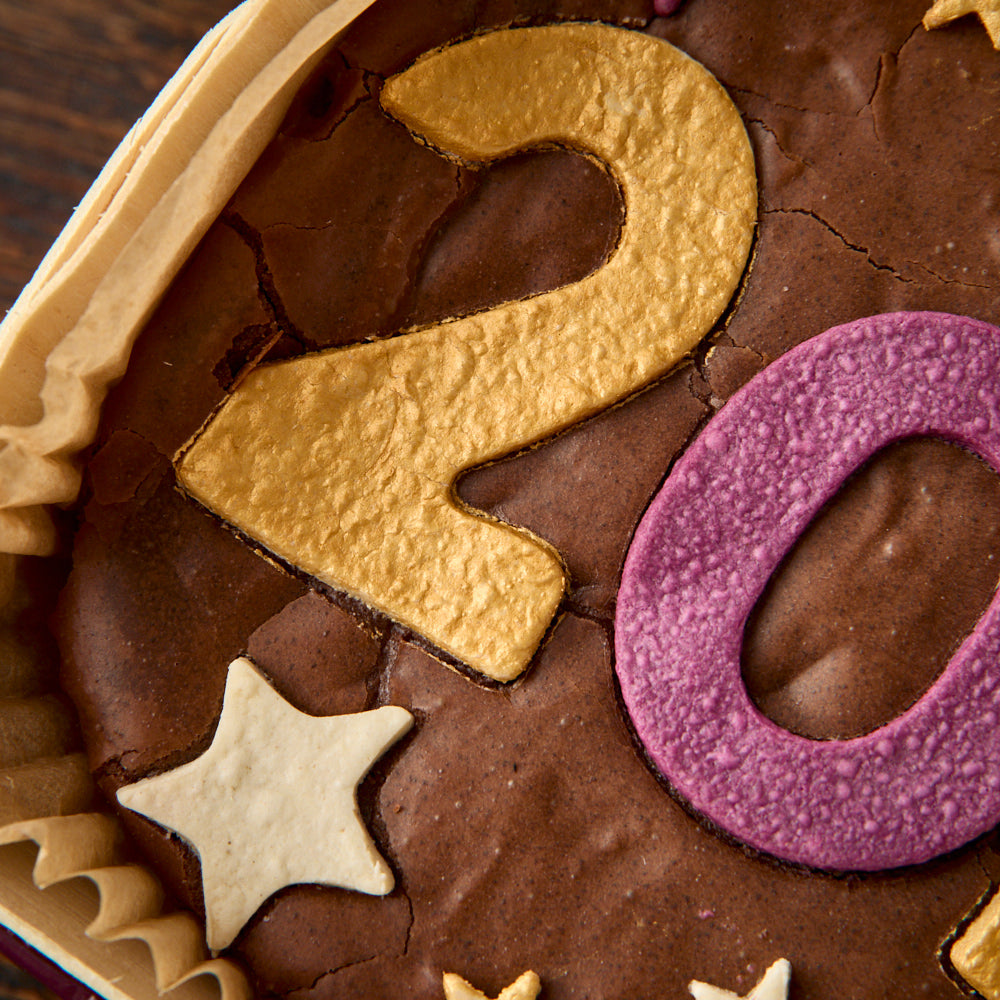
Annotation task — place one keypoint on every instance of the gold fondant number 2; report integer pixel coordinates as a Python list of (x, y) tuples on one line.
[(343, 462)]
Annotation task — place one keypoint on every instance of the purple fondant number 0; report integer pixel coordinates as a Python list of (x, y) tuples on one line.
[(922, 785)]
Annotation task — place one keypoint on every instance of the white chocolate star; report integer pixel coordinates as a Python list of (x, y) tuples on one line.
[(525, 987), (944, 11), (272, 801), (774, 986)]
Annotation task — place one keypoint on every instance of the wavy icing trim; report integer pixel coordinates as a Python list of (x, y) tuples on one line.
[(129, 898), (70, 333), (45, 789), (66, 339)]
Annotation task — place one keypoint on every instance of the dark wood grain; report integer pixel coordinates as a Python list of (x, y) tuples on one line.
[(74, 76)]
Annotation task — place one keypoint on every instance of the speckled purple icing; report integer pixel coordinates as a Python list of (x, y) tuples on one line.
[(733, 506)]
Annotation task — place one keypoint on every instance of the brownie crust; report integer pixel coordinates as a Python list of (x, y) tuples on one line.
[(554, 846)]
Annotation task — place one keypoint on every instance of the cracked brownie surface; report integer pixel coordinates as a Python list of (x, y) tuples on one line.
[(524, 827)]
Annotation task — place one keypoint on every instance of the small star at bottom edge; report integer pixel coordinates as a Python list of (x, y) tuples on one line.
[(944, 11), (774, 986), (525, 987)]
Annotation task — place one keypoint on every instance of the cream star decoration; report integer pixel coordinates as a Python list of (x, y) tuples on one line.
[(272, 802), (774, 986), (525, 987), (944, 11)]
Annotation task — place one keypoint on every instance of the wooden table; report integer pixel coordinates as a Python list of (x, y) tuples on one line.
[(74, 76)]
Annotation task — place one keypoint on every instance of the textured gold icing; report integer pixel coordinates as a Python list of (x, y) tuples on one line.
[(976, 954), (343, 462), (70, 332)]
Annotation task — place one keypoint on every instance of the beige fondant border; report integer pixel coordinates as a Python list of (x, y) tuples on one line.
[(70, 333), (101, 921), (68, 336)]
